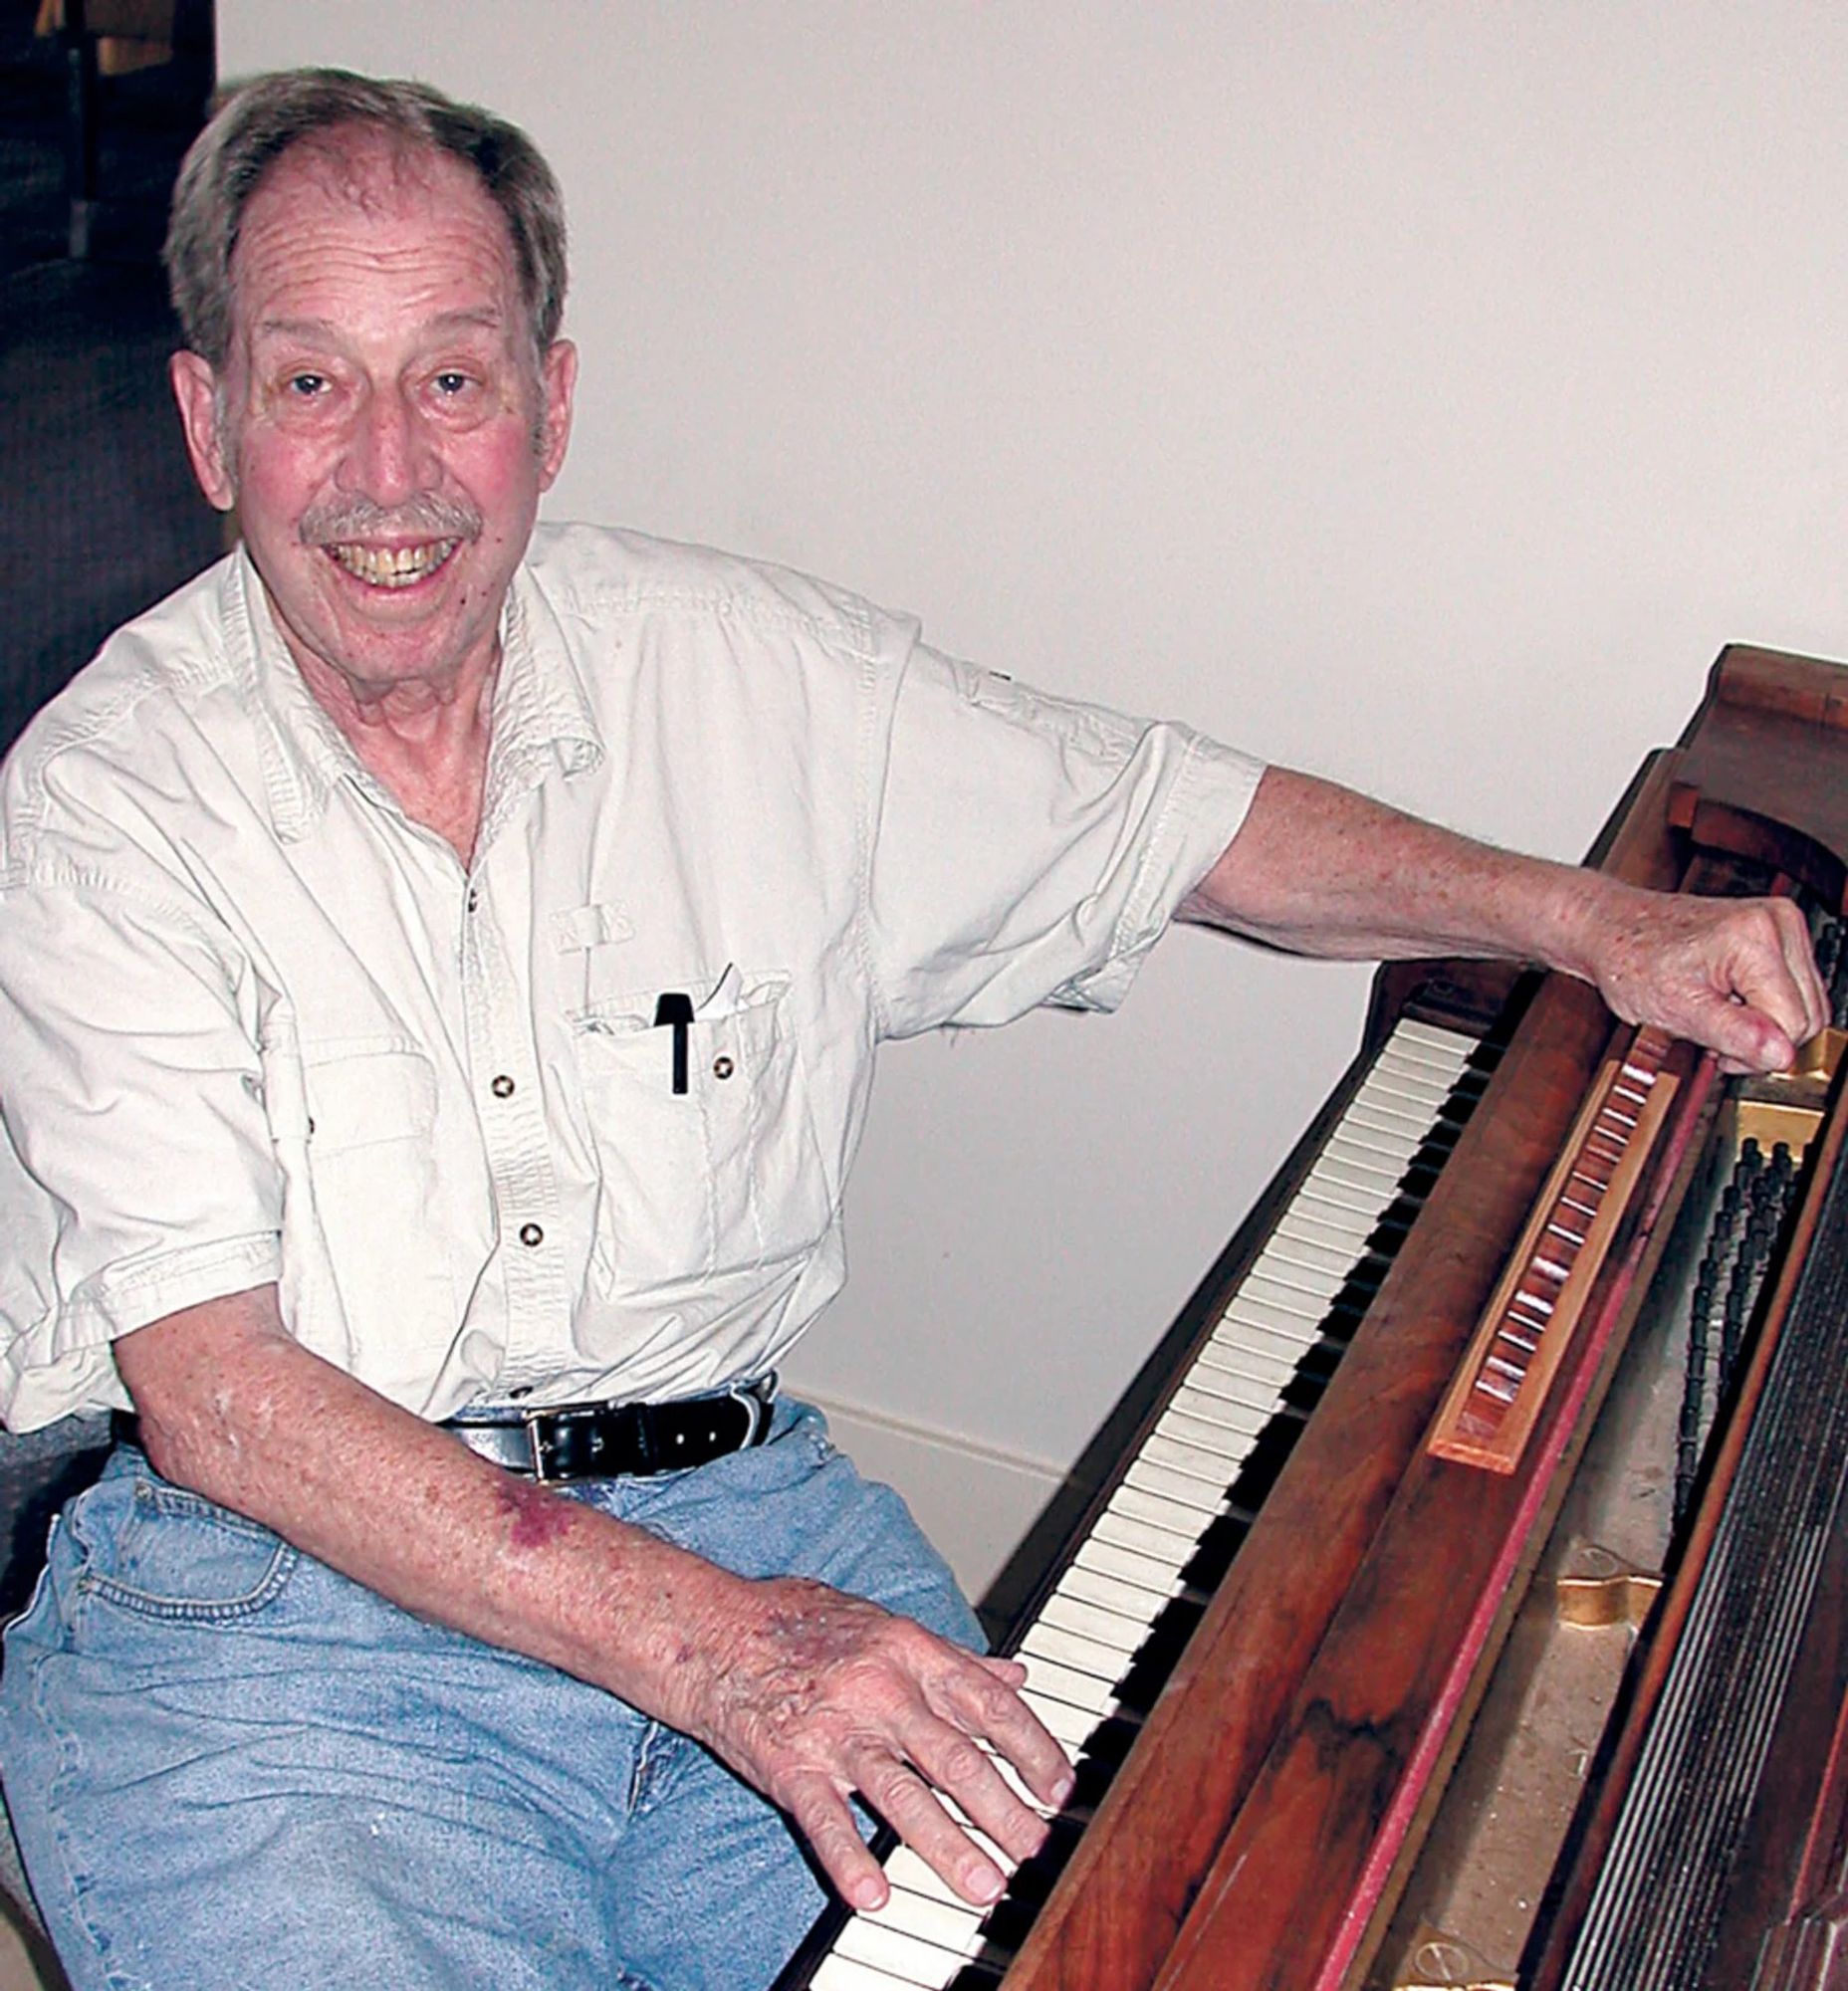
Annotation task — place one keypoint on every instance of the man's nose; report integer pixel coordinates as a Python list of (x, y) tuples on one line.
[(390, 454)]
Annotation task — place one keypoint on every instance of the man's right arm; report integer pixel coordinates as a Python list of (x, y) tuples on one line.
[(810, 1696)]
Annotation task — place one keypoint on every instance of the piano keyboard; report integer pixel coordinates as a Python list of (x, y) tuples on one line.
[(1113, 1626)]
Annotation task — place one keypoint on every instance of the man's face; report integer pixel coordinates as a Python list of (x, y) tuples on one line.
[(387, 429)]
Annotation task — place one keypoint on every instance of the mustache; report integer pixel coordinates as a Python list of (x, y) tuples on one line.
[(426, 516)]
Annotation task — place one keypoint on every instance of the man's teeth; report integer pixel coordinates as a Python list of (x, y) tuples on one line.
[(394, 567)]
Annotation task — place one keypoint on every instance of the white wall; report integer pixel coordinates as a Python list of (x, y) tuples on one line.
[(1422, 393)]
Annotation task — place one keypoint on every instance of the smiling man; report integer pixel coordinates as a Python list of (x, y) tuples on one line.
[(441, 962)]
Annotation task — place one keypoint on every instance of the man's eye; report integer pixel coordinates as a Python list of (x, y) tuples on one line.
[(449, 384), (306, 386)]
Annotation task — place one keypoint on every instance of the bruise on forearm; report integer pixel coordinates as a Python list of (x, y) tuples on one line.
[(535, 1517)]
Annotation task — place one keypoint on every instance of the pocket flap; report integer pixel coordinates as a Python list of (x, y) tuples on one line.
[(362, 1098)]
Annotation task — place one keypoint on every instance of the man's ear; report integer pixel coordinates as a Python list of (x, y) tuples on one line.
[(558, 380), (195, 389)]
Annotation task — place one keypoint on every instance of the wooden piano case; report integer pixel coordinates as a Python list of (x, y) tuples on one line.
[(1304, 1806)]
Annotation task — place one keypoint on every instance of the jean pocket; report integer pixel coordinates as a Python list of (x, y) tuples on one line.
[(162, 1552)]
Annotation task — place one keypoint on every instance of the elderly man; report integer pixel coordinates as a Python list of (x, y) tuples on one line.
[(440, 967)]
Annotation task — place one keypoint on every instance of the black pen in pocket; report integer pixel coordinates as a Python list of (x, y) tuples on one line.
[(674, 1008)]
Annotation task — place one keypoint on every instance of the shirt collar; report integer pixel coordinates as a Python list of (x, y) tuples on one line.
[(542, 716)]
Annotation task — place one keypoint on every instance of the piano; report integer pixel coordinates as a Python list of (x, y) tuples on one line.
[(1459, 1595)]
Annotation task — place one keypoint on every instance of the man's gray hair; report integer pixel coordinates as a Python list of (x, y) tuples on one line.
[(259, 121)]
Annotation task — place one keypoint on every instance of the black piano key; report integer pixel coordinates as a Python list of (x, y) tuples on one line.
[(1033, 1880), (980, 1974), (1305, 1389), (1159, 1653), (1321, 1358), (1266, 1459), (1206, 1568)]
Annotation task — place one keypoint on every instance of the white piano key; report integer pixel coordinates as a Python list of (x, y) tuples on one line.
[(842, 1974), (1158, 1576), (1249, 1371), (1069, 1649), (1419, 1114), (1392, 1116), (1248, 1332), (1118, 1530), (952, 1926), (1152, 1499), (1251, 1341), (1280, 1287), (1389, 1148), (1210, 1472), (1457, 1044), (1219, 1438), (1362, 1198), (1414, 1121), (1216, 1466), (907, 1870), (1389, 1123), (1252, 1311), (1071, 1727), (1334, 1216), (1360, 1163), (1150, 1475), (1289, 1265), (1289, 1301), (1111, 1593), (1327, 1224), (1231, 1367), (1135, 1503), (1438, 1070), (1431, 1054), (1345, 1209), (1335, 1264), (1418, 1078), (1244, 1423), (863, 1940), (1084, 1685), (1220, 1392), (1430, 1074), (1109, 1629)]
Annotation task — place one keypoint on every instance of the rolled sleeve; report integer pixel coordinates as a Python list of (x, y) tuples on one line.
[(136, 1173), (1032, 849)]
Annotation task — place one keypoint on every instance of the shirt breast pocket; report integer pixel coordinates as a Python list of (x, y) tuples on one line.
[(725, 1177)]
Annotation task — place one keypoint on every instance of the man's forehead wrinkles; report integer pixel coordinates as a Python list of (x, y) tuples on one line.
[(477, 317)]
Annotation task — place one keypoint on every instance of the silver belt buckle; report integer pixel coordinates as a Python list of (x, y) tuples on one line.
[(556, 1413)]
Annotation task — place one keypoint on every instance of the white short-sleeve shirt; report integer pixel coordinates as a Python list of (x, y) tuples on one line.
[(257, 1025)]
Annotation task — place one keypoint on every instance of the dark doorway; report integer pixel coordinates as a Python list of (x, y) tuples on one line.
[(99, 517)]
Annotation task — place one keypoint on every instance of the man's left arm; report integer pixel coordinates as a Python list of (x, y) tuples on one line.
[(1317, 869)]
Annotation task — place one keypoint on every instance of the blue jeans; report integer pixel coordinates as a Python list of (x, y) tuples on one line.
[(230, 1766)]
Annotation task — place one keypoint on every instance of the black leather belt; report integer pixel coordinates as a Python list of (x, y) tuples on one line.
[(610, 1441)]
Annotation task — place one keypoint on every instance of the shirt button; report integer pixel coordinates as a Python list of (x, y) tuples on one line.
[(723, 1067), (473, 898), (531, 1234), (502, 1087)]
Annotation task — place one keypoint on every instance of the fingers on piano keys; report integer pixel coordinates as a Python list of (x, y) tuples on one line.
[(1104, 1642)]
